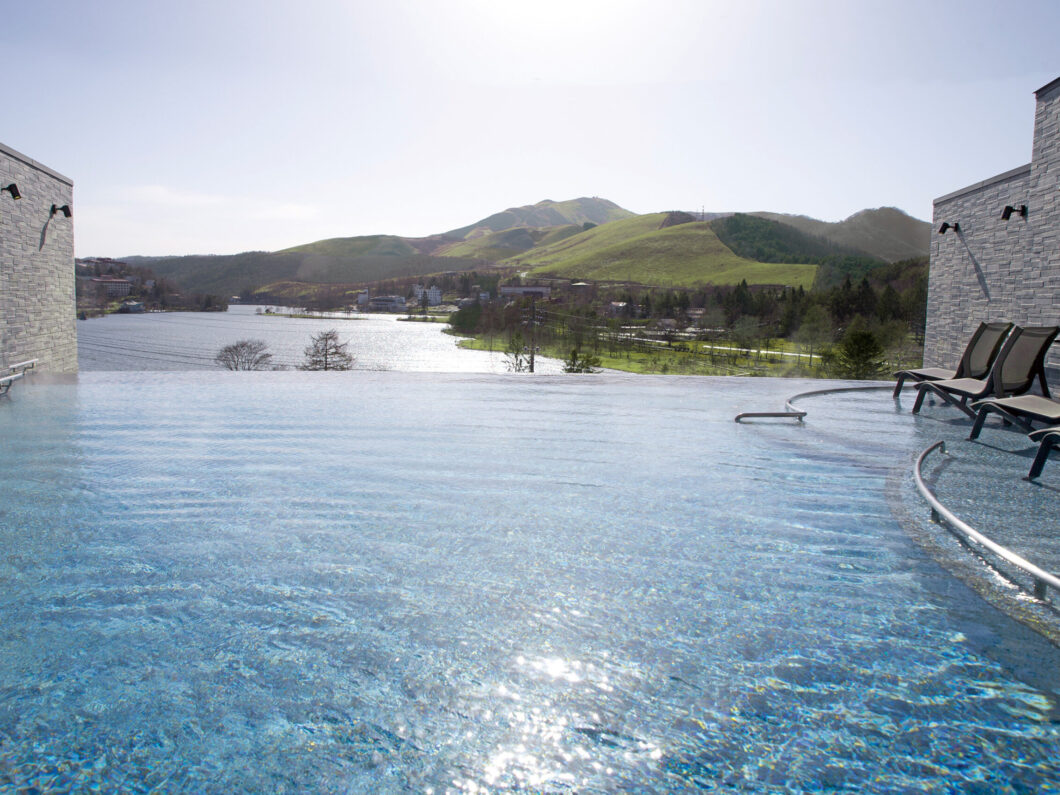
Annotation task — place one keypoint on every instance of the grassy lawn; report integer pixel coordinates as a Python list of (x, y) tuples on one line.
[(690, 358), (699, 359)]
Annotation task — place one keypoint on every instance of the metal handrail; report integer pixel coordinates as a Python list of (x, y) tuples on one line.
[(14, 372), (8, 380), (21, 367), (794, 413), (939, 511)]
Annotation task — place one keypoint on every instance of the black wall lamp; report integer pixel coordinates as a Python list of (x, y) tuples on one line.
[(65, 210), (1009, 210), (956, 227), (13, 190)]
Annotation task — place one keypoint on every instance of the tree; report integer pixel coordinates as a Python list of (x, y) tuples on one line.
[(466, 320), (745, 333), (245, 355), (581, 363), (816, 328), (325, 352), (517, 355), (859, 355)]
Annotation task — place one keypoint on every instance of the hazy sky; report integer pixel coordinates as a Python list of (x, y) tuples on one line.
[(233, 125)]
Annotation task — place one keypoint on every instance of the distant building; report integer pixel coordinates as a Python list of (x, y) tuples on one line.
[(539, 292), (434, 294), (114, 286), (386, 303), (995, 253)]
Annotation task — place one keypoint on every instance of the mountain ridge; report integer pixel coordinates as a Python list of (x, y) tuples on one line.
[(545, 213), (506, 237), (883, 232)]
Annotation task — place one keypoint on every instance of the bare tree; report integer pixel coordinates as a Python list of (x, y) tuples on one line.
[(518, 359), (325, 352), (245, 355)]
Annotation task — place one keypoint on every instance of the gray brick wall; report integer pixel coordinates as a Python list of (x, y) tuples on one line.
[(993, 269), (37, 284)]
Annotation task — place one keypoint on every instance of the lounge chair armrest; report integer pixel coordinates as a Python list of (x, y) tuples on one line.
[(1042, 433)]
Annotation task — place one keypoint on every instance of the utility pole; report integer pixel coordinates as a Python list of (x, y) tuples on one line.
[(533, 329)]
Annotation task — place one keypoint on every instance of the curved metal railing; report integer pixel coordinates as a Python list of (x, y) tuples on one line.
[(793, 413), (939, 512), (1042, 579)]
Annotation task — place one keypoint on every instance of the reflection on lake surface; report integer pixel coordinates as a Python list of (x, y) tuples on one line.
[(190, 340)]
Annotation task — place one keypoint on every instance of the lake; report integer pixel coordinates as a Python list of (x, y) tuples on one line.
[(190, 340)]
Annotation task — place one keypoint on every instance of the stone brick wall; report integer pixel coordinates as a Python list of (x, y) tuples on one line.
[(993, 269), (976, 272), (37, 283)]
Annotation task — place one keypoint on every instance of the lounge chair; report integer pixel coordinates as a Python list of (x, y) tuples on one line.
[(1020, 410), (975, 362), (1048, 438), (1020, 361)]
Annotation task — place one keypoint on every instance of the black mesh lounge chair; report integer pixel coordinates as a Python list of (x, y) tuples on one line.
[(975, 362), (1020, 410), (1020, 361), (1048, 438)]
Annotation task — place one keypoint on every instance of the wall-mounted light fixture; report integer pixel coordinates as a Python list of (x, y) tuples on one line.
[(13, 190), (956, 227), (1009, 210), (65, 210)]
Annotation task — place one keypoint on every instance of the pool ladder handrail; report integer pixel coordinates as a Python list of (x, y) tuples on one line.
[(793, 413), (939, 512), (14, 372)]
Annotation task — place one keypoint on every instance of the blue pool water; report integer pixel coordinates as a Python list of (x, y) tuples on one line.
[(389, 582)]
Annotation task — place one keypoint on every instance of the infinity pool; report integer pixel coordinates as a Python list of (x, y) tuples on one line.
[(390, 582)]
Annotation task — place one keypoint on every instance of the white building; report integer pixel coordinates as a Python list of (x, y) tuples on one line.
[(434, 294)]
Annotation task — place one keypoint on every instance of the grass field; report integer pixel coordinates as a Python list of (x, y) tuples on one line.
[(595, 239), (636, 250), (508, 243), (368, 245), (775, 357), (697, 358)]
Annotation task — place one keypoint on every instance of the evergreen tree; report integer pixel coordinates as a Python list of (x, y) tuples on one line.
[(859, 355), (581, 363)]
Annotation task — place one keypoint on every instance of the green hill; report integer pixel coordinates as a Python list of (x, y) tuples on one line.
[(349, 247), (763, 240), (589, 240), (508, 243), (232, 274), (645, 250), (886, 232), (545, 213)]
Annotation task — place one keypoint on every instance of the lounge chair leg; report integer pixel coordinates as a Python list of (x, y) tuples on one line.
[(1039, 460), (920, 393), (898, 386), (977, 426)]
